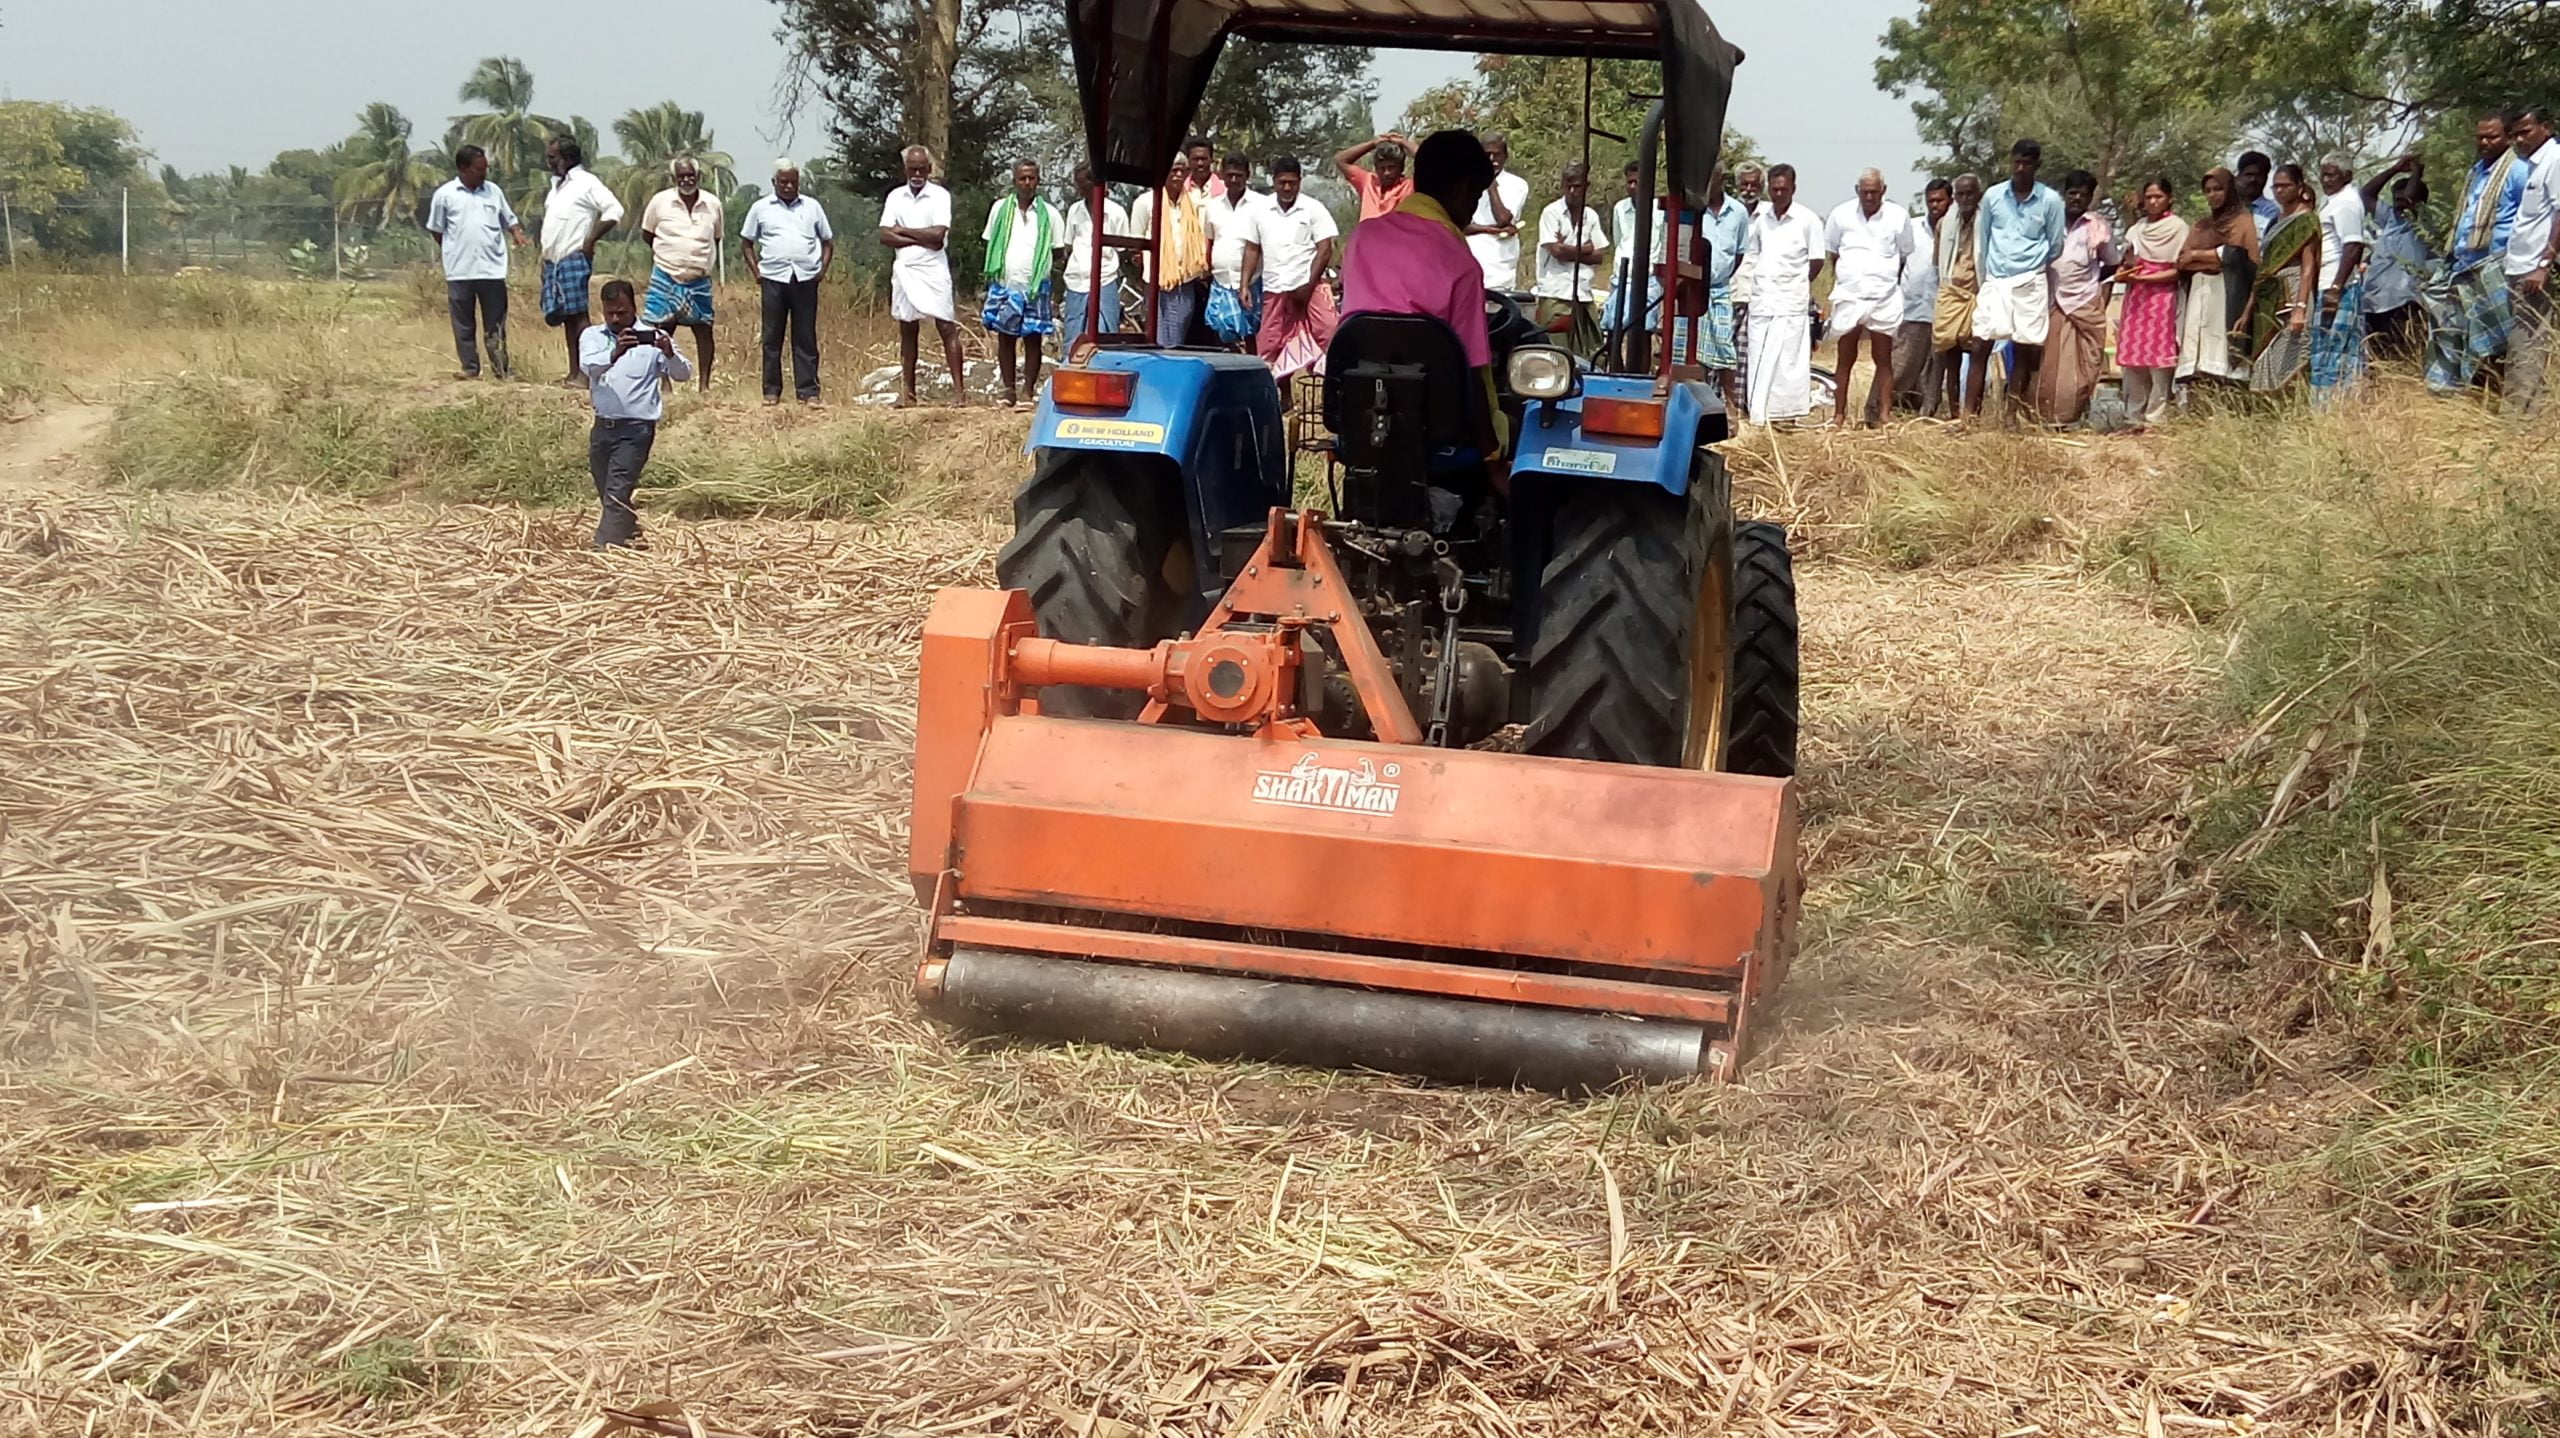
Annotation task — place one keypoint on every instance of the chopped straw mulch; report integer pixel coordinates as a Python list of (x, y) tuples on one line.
[(451, 982)]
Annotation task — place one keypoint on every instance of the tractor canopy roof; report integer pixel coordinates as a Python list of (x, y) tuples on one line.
[(1141, 65)]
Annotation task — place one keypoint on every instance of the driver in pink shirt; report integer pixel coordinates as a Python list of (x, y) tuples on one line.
[(1414, 260)]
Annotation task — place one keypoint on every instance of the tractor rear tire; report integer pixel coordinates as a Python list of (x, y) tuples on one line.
[(1090, 545), (1620, 601), (1760, 705)]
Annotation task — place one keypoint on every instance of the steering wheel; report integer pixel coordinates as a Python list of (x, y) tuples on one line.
[(1506, 325)]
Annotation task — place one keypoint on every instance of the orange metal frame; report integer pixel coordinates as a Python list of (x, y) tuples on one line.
[(1489, 876)]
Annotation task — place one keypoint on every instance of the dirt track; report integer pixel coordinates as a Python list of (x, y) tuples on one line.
[(449, 980)]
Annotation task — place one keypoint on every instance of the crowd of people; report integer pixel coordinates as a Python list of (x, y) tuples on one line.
[(2271, 281)]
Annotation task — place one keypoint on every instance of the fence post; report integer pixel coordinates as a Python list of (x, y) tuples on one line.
[(10, 231), (124, 234), (337, 250)]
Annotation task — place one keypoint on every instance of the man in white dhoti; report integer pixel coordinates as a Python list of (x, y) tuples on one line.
[(1786, 253), (1868, 239), (915, 220)]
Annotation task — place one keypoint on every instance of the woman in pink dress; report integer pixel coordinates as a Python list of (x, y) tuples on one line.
[(2147, 334)]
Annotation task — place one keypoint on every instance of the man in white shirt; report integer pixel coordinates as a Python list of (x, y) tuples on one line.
[(1232, 213), (1495, 234), (1787, 246), (1077, 272), (622, 363), (578, 211), (1026, 238), (2337, 342), (1915, 352), (915, 223), (471, 222), (681, 226), (1867, 238), (787, 241), (1572, 244), (1298, 241), (2531, 247)]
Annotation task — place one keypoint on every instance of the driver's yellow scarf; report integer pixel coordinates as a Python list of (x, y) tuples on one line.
[(1423, 206)]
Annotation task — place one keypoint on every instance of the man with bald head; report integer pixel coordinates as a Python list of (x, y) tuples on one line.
[(1868, 238), (682, 227), (915, 222)]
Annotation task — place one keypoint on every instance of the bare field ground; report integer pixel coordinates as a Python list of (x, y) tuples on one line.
[(453, 982)]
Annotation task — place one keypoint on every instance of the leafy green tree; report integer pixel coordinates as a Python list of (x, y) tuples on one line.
[(507, 126), (1269, 100), (69, 174), (35, 172), (658, 136), (1535, 102), (386, 178), (967, 79), (2122, 87)]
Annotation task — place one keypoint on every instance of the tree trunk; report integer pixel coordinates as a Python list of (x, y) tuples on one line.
[(930, 62)]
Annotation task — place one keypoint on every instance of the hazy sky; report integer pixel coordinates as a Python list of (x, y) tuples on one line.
[(212, 83)]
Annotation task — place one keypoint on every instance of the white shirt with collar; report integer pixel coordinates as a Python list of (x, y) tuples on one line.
[(2532, 232), (1784, 250), (1115, 222), (1289, 241), (1867, 250), (1232, 224), (575, 205), (1500, 254), (688, 236), (627, 388), (2341, 225), (472, 228), (791, 239), (1569, 279)]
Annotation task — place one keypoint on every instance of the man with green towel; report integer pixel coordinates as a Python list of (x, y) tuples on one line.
[(1026, 240)]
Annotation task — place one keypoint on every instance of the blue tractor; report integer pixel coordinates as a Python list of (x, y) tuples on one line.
[(1604, 603)]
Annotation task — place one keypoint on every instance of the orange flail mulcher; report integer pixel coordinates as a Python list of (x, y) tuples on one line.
[(1217, 876)]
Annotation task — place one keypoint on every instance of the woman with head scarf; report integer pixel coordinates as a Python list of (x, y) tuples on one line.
[(2221, 263), (2147, 332), (2278, 335)]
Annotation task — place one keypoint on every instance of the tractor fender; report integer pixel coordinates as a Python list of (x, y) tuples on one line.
[(1552, 445), (1214, 416)]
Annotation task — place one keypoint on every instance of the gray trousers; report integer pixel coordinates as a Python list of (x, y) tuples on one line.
[(1916, 369), (617, 450), (491, 298), (2528, 348)]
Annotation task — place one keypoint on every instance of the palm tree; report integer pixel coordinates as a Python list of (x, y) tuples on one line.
[(387, 177), (656, 137), (508, 128)]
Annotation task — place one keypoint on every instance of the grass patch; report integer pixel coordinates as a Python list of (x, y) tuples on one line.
[(2386, 586), (518, 445)]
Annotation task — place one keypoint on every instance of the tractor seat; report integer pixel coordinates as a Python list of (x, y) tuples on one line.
[(1395, 394)]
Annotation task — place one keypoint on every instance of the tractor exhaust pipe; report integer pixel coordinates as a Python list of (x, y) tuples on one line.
[(1324, 1025)]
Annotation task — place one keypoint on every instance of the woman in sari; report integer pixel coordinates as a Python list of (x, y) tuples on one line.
[(2220, 260), (2147, 331), (2279, 323)]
